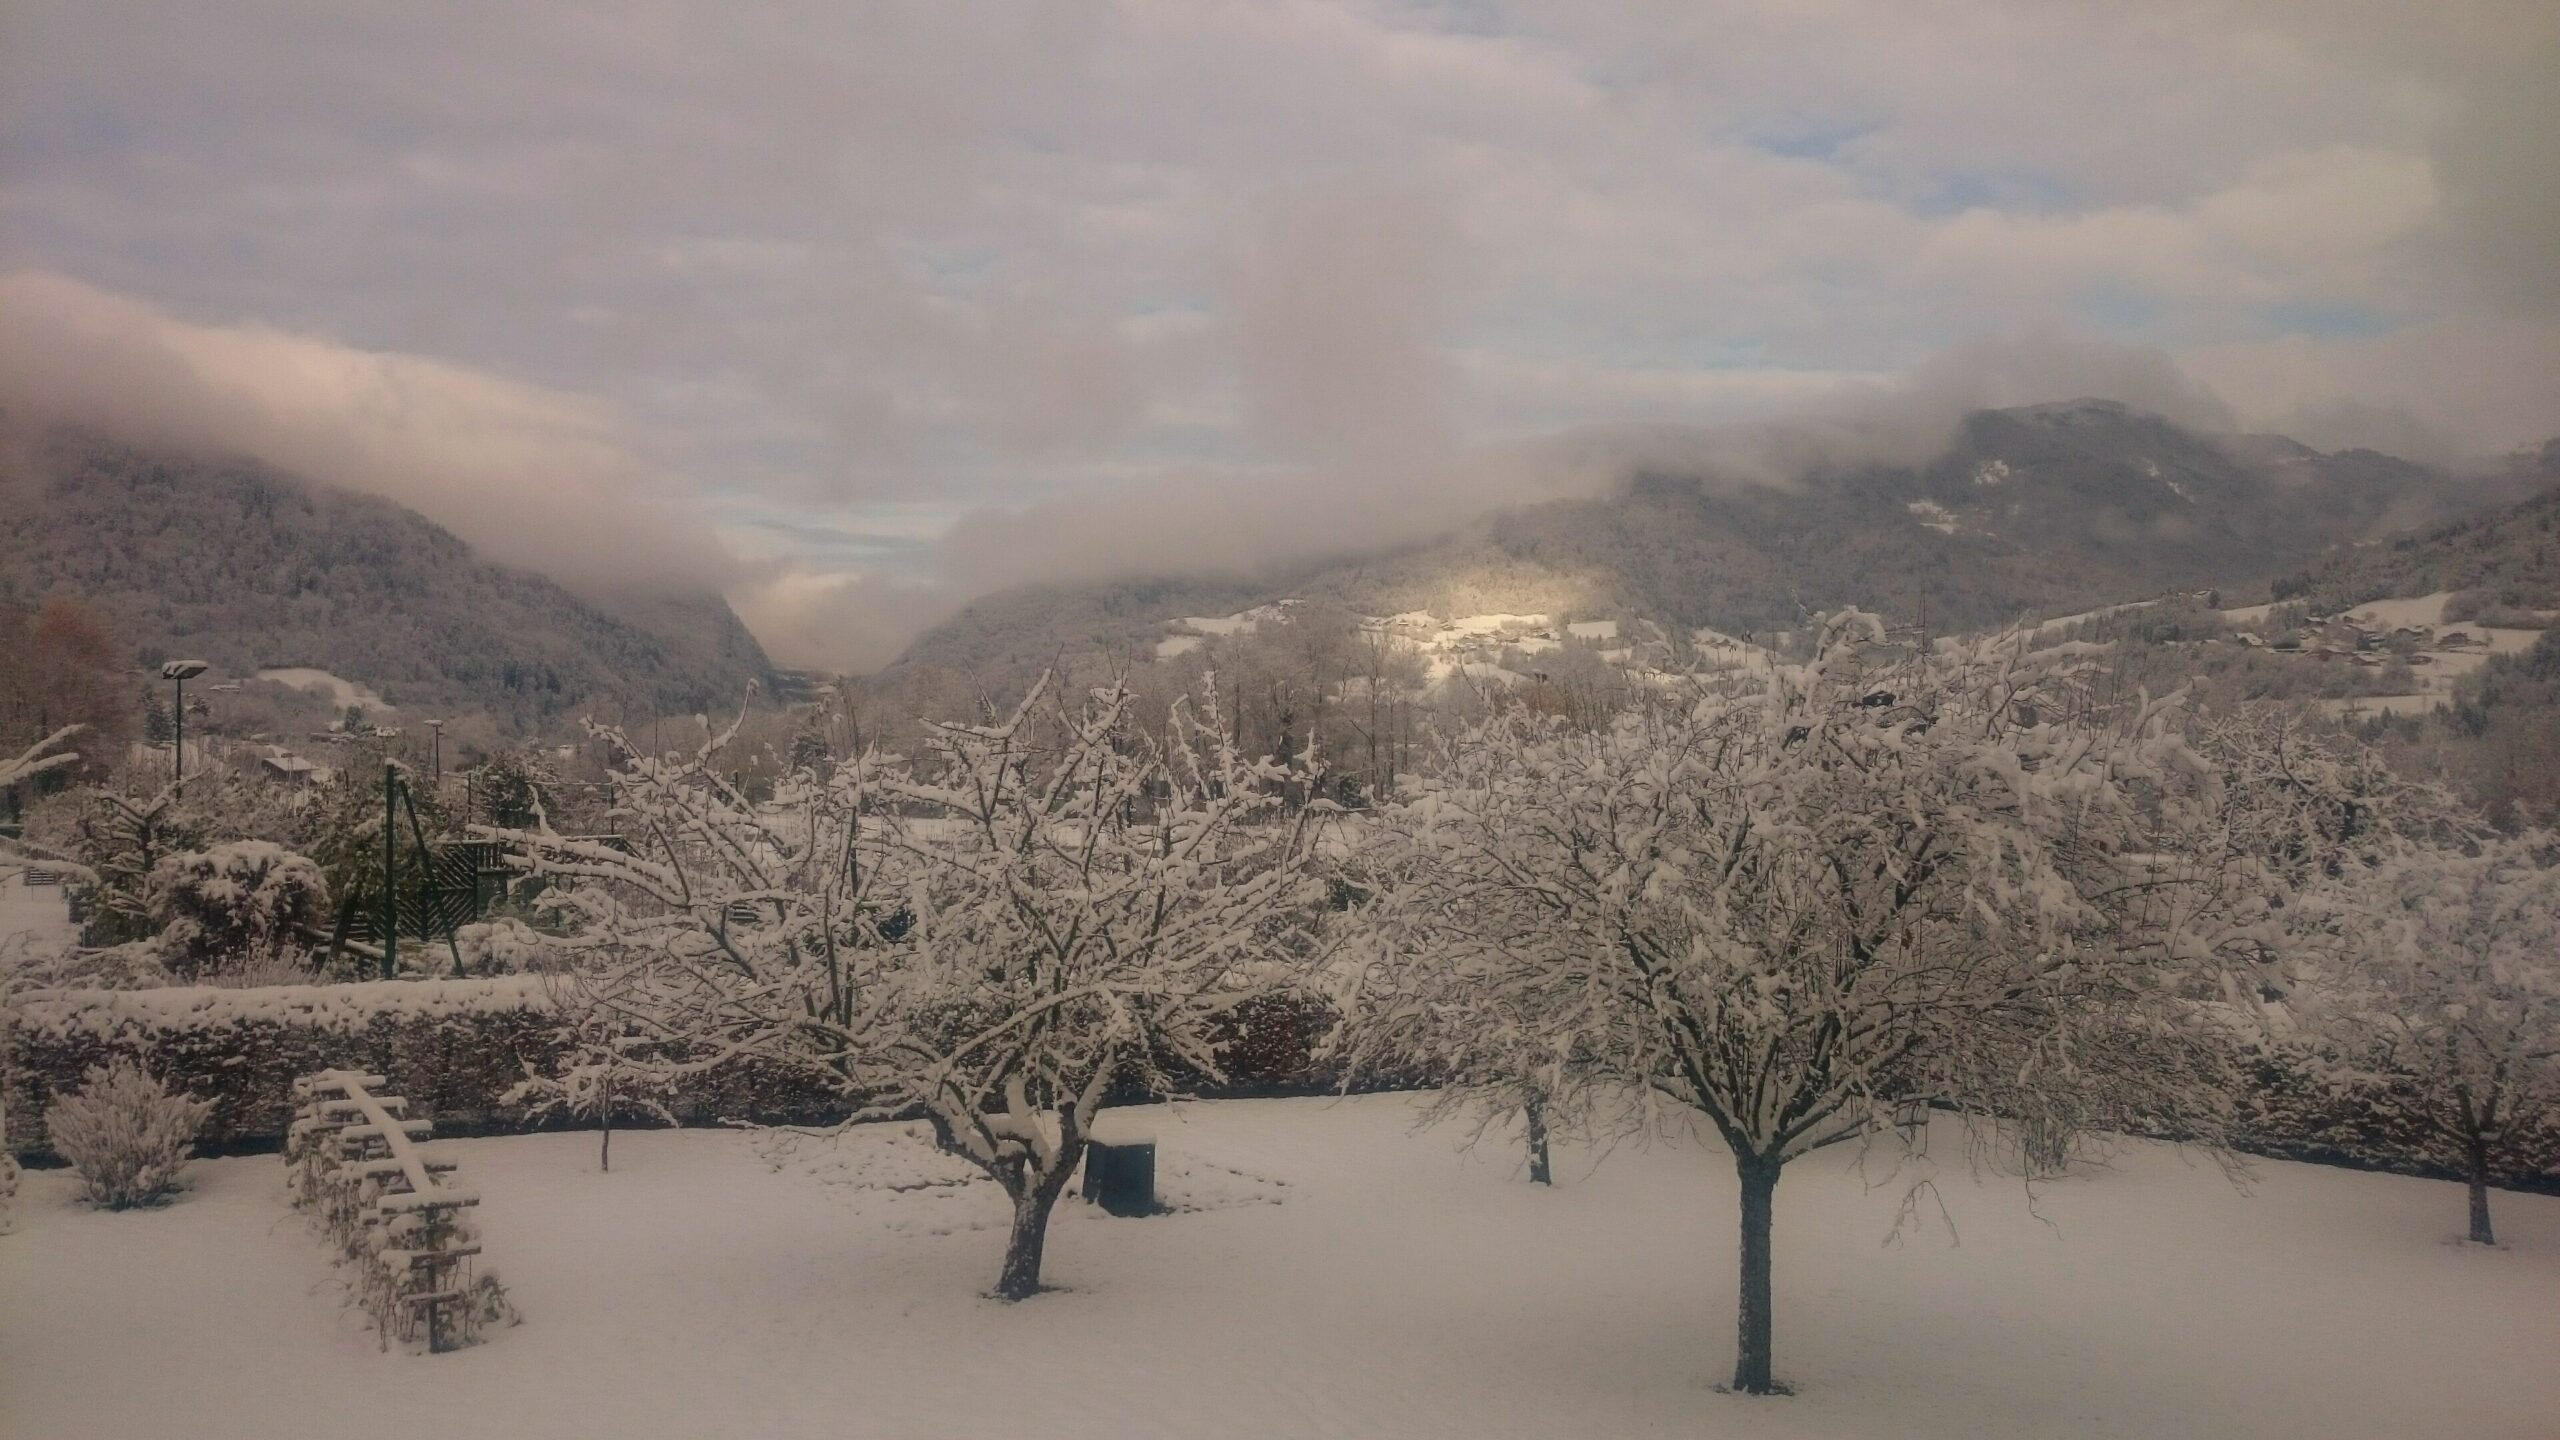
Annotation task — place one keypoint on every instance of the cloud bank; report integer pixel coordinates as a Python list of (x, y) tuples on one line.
[(901, 300), (529, 477)]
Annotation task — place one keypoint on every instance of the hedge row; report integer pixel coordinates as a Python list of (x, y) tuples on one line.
[(453, 1048)]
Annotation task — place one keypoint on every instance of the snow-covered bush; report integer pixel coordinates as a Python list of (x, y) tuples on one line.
[(121, 841), (248, 900), (125, 1134), (503, 946), (8, 1175), (135, 965)]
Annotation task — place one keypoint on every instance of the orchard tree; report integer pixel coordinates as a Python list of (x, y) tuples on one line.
[(1802, 900), (44, 756), (1046, 909), (2449, 1009), (1453, 1015)]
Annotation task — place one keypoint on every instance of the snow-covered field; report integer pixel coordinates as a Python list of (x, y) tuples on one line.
[(1334, 1274), (341, 692), (32, 916)]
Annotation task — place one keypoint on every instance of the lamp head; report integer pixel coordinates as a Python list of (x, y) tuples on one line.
[(182, 669)]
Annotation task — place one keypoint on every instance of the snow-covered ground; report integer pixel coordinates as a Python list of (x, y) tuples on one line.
[(341, 692), (1335, 1275), (35, 918)]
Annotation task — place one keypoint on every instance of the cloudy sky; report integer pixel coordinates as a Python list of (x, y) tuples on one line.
[(855, 309)]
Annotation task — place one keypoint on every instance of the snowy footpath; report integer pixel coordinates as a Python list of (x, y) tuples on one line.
[(1330, 1273)]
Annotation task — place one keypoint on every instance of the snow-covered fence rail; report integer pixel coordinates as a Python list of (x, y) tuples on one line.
[(394, 1212)]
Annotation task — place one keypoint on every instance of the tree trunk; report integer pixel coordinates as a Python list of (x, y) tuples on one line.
[(1540, 1172), (1751, 1360), (1030, 1236), (2481, 1234)]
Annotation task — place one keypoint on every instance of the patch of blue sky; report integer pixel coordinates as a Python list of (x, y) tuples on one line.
[(1452, 17), (2328, 320), (883, 533), (1961, 190), (952, 269), (2119, 310), (81, 132), (1809, 140)]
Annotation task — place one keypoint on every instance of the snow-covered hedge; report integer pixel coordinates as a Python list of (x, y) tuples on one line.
[(452, 1046), (455, 1048)]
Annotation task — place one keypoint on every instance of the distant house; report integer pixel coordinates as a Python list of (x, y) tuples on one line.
[(286, 768)]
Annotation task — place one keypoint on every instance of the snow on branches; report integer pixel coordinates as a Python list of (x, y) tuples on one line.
[(2446, 1013), (995, 936), (1802, 899)]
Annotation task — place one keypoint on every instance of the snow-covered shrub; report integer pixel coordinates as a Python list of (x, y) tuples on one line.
[(136, 965), (250, 899), (121, 840), (8, 1177), (125, 1134), (499, 947)]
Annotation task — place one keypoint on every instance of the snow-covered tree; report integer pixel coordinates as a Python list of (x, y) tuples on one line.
[(1801, 900), (809, 748), (1046, 909), (45, 755), (121, 839), (2448, 1009), (1453, 1018), (597, 1079), (156, 726), (509, 789)]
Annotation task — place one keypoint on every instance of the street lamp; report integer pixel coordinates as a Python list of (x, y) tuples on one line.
[(436, 728), (180, 672)]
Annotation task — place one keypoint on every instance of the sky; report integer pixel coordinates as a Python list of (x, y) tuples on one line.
[(858, 310)]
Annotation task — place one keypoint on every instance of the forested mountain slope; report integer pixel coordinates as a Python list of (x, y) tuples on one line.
[(2028, 512), (232, 562), (2506, 558)]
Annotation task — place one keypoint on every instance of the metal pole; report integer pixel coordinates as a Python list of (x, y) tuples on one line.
[(390, 883), (178, 753)]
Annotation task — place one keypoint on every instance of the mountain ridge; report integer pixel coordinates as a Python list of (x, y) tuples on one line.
[(2026, 512), (249, 567)]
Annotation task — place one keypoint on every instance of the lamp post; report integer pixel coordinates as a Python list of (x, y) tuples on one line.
[(436, 728), (180, 672)]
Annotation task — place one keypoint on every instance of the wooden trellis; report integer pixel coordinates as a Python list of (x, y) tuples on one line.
[(393, 1212)]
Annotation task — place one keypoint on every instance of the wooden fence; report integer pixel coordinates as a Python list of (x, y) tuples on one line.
[(394, 1212)]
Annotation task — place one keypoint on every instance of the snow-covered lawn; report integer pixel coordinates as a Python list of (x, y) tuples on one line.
[(1337, 1275), (33, 917)]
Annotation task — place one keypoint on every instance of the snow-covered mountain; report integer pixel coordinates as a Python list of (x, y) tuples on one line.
[(2029, 512), (238, 564)]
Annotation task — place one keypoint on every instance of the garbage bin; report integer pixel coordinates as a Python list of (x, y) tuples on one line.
[(1120, 1176)]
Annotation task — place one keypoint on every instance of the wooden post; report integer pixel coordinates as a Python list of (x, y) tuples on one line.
[(390, 875)]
